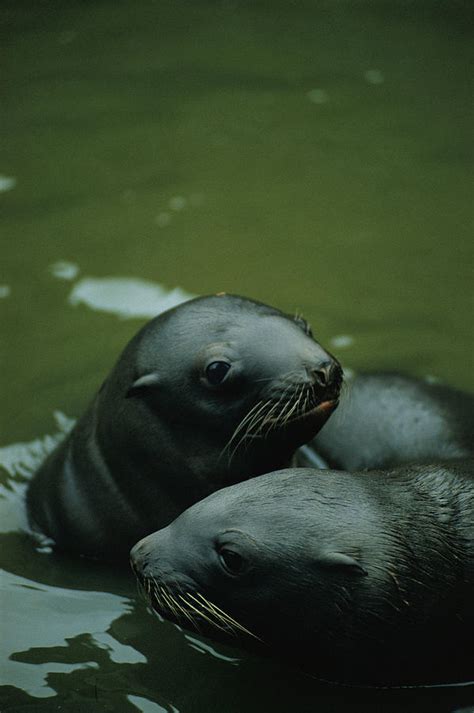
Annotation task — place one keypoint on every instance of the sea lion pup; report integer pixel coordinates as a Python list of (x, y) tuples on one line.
[(213, 391), (360, 578), (384, 420)]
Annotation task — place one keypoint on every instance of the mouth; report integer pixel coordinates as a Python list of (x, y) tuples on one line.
[(297, 418), (326, 407), (317, 413)]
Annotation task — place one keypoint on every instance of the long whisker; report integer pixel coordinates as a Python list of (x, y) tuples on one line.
[(170, 602), (186, 613), (257, 424), (220, 622), (254, 428), (226, 616), (287, 377), (275, 421), (255, 409), (216, 620), (197, 611), (267, 416), (249, 423), (191, 607), (252, 417), (297, 403)]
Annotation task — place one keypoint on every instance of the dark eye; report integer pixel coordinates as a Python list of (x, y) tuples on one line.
[(231, 561), (216, 372)]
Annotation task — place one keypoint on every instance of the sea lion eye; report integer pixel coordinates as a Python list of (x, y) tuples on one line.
[(216, 372), (231, 561)]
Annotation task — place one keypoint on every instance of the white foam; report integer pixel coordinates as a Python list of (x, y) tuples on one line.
[(64, 270), (374, 76), (342, 341), (178, 203), (21, 461), (7, 183), (318, 96), (127, 297)]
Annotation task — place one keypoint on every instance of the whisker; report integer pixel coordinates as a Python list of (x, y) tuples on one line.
[(191, 607), (170, 602), (253, 419), (227, 616), (240, 426), (226, 624), (291, 408), (274, 422), (184, 611), (297, 403), (200, 613), (266, 416)]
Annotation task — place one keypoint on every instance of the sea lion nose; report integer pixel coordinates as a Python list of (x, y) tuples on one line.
[(139, 556), (325, 374)]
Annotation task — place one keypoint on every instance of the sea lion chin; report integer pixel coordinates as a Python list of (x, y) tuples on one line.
[(216, 390)]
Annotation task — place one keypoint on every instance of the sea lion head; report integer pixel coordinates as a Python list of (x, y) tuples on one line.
[(267, 562), (218, 389)]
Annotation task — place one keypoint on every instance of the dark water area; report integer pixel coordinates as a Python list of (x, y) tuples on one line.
[(313, 155)]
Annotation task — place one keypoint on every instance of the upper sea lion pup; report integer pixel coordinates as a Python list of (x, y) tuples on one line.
[(211, 392)]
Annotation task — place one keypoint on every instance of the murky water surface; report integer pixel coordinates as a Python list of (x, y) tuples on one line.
[(313, 155)]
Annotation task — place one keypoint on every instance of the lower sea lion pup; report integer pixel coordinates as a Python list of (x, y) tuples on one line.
[(363, 578), (209, 393)]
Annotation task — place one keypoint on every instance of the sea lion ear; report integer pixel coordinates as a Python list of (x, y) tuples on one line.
[(143, 383), (343, 562), (305, 326)]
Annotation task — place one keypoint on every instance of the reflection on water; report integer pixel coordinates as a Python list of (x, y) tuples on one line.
[(311, 155), (126, 297), (43, 620)]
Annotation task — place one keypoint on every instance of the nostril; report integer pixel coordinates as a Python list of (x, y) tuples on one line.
[(323, 374)]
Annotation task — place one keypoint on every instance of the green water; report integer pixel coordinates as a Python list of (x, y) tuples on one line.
[(314, 155)]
